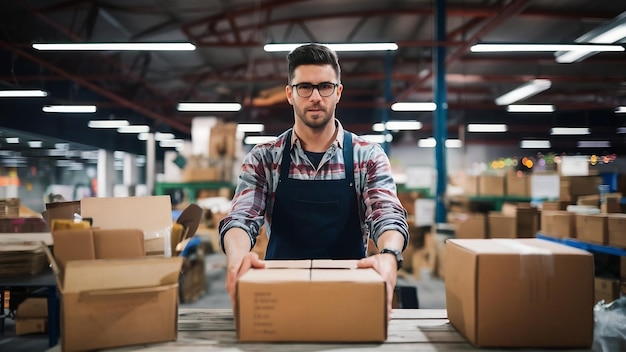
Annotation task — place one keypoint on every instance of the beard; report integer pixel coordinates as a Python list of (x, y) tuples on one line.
[(317, 119)]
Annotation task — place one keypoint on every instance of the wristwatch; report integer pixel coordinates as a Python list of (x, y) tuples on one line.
[(396, 253)]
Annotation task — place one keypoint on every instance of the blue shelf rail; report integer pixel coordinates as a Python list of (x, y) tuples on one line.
[(596, 248)]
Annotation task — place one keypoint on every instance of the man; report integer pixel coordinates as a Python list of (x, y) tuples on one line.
[(321, 191)]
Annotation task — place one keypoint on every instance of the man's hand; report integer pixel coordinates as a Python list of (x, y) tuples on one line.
[(236, 268), (385, 265)]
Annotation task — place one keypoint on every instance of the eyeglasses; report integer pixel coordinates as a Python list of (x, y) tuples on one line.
[(325, 89)]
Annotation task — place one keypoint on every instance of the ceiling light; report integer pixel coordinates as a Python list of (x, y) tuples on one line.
[(270, 48), (610, 32), (12, 140), (115, 46), (107, 123), (621, 130), (620, 110), (594, 144), (62, 146), (530, 108), (535, 144), (524, 91), (253, 140), (160, 136), (397, 126), (584, 48), (477, 127), (407, 106), (209, 107), (569, 130), (134, 129), (22, 93), (170, 143), (250, 127), (70, 108), (35, 144), (431, 143)]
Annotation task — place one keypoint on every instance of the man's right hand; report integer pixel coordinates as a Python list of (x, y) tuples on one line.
[(236, 268)]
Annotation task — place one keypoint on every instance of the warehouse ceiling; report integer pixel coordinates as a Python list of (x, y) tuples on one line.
[(230, 65)]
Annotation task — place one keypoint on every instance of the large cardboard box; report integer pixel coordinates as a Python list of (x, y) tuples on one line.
[(616, 227), (519, 293), (558, 223), (311, 301)]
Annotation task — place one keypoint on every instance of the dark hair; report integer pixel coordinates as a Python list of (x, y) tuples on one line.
[(312, 54)]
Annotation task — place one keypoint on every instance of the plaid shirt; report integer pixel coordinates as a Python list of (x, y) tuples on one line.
[(253, 202)]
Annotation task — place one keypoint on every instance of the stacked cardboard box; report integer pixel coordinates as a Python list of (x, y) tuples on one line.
[(517, 184), (616, 228), (491, 185), (558, 223), (31, 316), (592, 228), (514, 221), (469, 225), (606, 289)]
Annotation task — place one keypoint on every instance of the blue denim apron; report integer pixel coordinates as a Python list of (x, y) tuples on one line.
[(316, 219)]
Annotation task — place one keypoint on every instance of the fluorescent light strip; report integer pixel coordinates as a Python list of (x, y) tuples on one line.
[(12, 140), (431, 143), (22, 93), (134, 129), (250, 127), (535, 144), (160, 136), (408, 106), (530, 108), (585, 48), (475, 127), (397, 126), (114, 46), (107, 123), (570, 131), (170, 143), (610, 32), (253, 140), (70, 108), (272, 48), (594, 144), (62, 146), (35, 144), (620, 110), (621, 130), (524, 91), (209, 107)]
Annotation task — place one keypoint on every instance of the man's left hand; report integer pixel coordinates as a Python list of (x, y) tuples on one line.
[(386, 266)]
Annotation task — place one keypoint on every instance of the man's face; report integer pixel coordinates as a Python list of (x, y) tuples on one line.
[(315, 111)]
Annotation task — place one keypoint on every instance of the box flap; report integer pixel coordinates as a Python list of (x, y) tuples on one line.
[(110, 274), (346, 275), (288, 264), (76, 244), (280, 275), (149, 214), (334, 264), (517, 245), (118, 244)]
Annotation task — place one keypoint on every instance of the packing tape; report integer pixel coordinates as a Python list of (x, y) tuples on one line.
[(536, 269)]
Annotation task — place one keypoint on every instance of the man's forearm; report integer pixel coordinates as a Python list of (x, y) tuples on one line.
[(236, 243), (390, 239)]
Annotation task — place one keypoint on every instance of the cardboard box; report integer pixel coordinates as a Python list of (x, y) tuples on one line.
[(557, 223), (518, 185), (526, 218), (152, 215), (33, 307), (622, 267), (573, 187), (518, 293), (470, 185), (491, 185), (341, 303), (556, 205), (117, 302), (592, 228), (501, 226), (27, 326), (606, 289), (469, 225), (616, 227)]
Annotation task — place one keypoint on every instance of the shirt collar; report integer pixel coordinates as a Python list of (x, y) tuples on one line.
[(338, 137)]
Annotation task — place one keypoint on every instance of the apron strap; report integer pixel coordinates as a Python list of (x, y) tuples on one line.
[(286, 162)]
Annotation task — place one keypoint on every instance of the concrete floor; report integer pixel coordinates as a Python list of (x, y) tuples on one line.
[(430, 292)]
